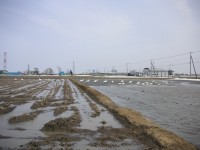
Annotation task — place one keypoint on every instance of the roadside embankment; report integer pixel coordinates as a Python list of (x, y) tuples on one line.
[(164, 139)]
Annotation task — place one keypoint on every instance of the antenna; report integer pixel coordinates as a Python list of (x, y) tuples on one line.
[(5, 61)]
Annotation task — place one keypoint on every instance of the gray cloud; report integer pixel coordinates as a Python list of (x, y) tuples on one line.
[(97, 34)]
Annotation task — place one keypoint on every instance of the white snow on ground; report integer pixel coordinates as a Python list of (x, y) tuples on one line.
[(95, 81), (88, 81), (117, 76), (185, 79)]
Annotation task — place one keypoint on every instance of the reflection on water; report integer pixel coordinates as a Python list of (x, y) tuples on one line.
[(32, 128), (88, 122), (174, 107)]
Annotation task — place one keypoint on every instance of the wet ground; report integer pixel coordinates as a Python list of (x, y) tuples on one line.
[(173, 104), (55, 114)]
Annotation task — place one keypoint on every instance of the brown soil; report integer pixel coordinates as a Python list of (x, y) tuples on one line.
[(18, 128), (4, 137), (103, 138), (54, 140), (59, 110), (67, 92), (43, 103), (145, 128), (64, 124), (6, 108), (24, 117), (63, 133), (56, 89), (112, 137), (96, 111)]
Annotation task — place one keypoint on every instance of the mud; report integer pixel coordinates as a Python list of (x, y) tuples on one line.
[(24, 117), (42, 103), (71, 118), (63, 124), (57, 140), (161, 137), (59, 110), (95, 109), (68, 93), (6, 108)]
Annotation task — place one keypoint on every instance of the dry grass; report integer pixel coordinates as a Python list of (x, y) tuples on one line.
[(166, 140)]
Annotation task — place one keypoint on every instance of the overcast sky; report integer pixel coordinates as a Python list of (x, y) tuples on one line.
[(99, 34)]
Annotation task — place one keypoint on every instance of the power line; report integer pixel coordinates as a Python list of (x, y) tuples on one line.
[(170, 56), (139, 62), (162, 58), (185, 63), (195, 52)]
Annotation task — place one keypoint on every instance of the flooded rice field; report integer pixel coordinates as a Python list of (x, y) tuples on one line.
[(173, 104), (55, 114)]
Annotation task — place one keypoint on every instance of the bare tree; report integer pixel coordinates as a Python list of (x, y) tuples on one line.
[(49, 71), (59, 69), (36, 71)]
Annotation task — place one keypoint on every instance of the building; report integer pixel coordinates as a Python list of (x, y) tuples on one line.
[(3, 72), (157, 72)]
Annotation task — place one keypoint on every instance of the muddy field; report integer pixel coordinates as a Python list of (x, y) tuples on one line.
[(173, 104), (51, 113), (55, 114)]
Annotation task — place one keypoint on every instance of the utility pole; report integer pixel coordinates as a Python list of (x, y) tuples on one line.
[(127, 67), (152, 68), (28, 69), (5, 61), (194, 67), (73, 67), (190, 63)]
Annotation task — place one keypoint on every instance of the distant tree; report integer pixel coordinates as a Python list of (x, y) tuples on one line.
[(59, 69), (71, 73), (36, 71), (49, 71), (114, 71)]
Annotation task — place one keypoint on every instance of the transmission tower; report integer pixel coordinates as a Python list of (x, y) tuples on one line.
[(5, 61)]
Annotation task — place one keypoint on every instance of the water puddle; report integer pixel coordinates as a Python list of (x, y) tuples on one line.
[(60, 94), (174, 107), (88, 122), (98, 129)]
